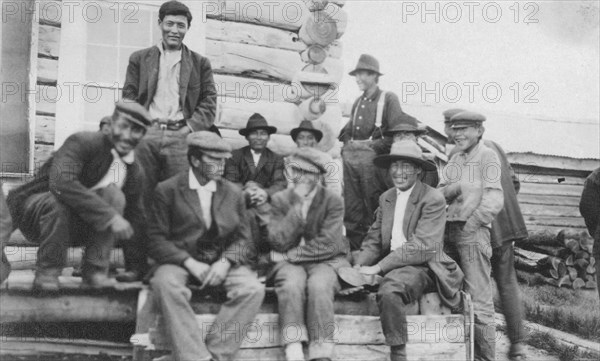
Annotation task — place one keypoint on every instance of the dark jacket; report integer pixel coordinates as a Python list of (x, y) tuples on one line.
[(177, 230), (197, 91), (589, 205), (322, 230), (79, 164), (268, 173), (423, 226)]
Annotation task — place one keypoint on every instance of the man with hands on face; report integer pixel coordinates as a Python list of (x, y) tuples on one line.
[(405, 243), (199, 233)]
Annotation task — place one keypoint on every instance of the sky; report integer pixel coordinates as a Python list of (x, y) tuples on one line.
[(530, 59)]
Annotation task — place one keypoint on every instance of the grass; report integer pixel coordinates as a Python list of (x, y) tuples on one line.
[(545, 341)]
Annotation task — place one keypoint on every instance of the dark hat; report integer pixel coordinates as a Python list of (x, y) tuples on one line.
[(175, 8), (405, 123), (366, 62), (466, 118), (404, 150), (306, 125), (310, 160), (210, 143), (105, 120), (257, 121), (448, 114), (136, 113)]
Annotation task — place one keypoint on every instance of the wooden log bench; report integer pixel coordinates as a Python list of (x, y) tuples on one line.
[(434, 332)]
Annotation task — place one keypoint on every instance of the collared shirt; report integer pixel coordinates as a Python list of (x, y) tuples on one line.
[(205, 193), (117, 172), (255, 157), (165, 104), (465, 178), (398, 237)]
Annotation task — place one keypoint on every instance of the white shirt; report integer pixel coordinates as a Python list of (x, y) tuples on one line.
[(205, 194), (165, 104), (398, 238), (117, 172), (255, 157)]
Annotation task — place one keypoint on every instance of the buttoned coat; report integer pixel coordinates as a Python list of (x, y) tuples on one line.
[(268, 172), (177, 229), (197, 91), (423, 227)]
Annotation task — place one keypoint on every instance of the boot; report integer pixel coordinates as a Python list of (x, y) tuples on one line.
[(398, 353), (46, 280)]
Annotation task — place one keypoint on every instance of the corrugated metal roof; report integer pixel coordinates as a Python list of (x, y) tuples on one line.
[(526, 134)]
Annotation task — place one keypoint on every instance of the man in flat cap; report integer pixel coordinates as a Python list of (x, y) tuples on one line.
[(405, 244), (87, 193), (471, 184), (255, 167), (176, 85), (508, 227), (199, 234), (307, 246), (373, 113)]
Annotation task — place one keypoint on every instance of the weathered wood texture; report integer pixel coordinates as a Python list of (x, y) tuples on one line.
[(44, 129), (49, 41), (22, 258), (34, 346)]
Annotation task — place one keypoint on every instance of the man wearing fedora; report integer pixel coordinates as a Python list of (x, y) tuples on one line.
[(199, 234), (88, 192), (508, 227), (472, 186), (405, 244), (373, 113), (255, 167), (307, 246)]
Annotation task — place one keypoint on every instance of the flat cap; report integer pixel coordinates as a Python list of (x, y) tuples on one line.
[(448, 114), (136, 113), (310, 160), (466, 118), (210, 143)]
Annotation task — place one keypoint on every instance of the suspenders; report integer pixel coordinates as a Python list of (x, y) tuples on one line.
[(378, 114)]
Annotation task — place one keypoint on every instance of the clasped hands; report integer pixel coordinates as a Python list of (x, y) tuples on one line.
[(208, 275)]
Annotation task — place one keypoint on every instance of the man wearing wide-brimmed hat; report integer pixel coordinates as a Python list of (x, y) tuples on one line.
[(307, 246), (255, 167), (89, 193), (373, 113), (405, 243), (472, 186), (199, 234)]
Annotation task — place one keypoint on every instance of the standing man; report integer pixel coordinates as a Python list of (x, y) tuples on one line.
[(305, 236), (176, 85), (508, 227), (372, 115), (589, 206), (199, 234), (88, 191), (405, 243), (471, 184)]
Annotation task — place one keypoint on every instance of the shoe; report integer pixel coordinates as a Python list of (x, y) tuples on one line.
[(46, 280), (97, 280), (129, 276)]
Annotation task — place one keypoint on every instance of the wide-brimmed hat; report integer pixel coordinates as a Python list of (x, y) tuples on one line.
[(366, 62), (306, 125), (257, 121), (210, 143), (405, 123), (404, 150), (466, 119)]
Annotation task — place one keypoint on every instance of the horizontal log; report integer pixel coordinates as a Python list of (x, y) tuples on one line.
[(265, 330), (548, 200), (51, 12), (541, 238), (559, 252), (44, 129), (34, 346), (551, 189), (47, 70), (262, 62), (49, 40), (45, 99), (558, 222), (526, 265), (530, 255), (534, 228), (236, 32), (549, 179), (288, 15), (22, 258), (550, 210)]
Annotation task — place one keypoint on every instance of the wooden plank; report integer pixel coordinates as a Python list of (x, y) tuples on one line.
[(49, 40), (265, 332), (42, 152), (45, 98), (26, 257), (47, 70), (555, 221), (549, 179), (44, 129), (551, 189), (550, 210), (23, 346), (548, 200), (288, 15), (254, 35), (262, 62)]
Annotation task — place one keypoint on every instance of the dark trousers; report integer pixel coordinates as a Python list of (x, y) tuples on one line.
[(362, 188), (305, 296), (503, 270), (596, 253), (399, 288), (55, 227)]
